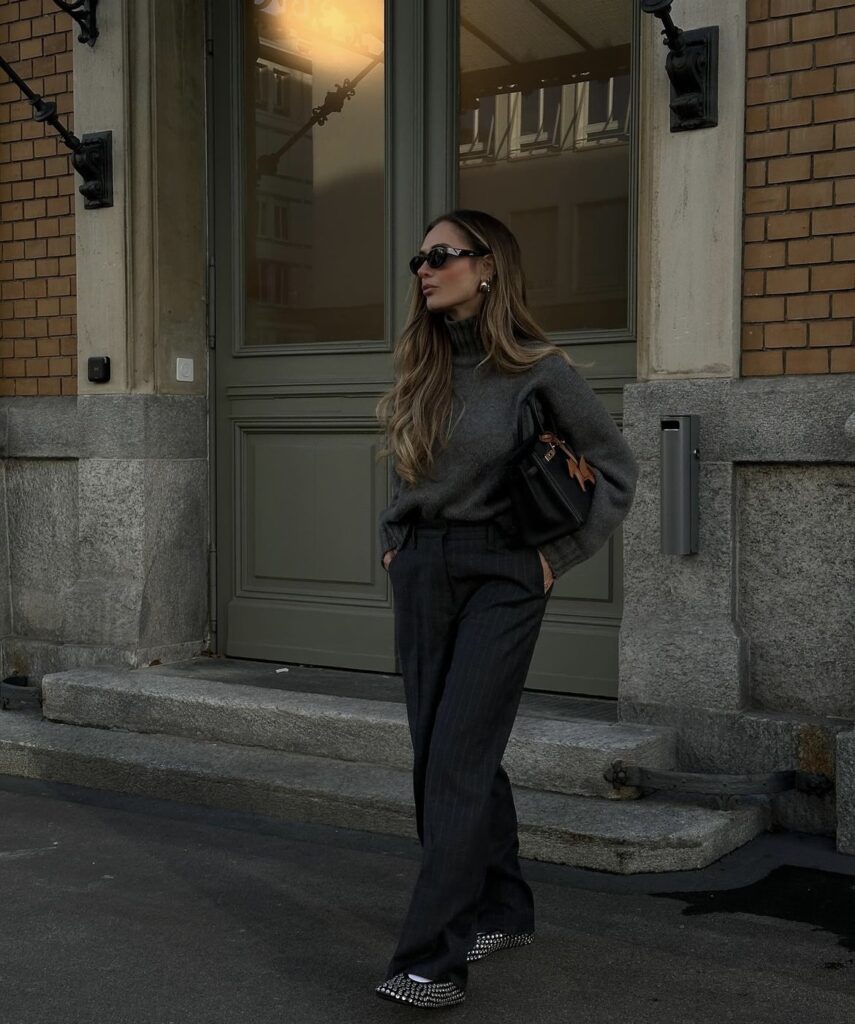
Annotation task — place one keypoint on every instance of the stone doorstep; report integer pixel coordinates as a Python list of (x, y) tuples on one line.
[(624, 837), (559, 755)]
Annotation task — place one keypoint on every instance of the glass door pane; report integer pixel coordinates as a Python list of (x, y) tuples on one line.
[(544, 144), (314, 198)]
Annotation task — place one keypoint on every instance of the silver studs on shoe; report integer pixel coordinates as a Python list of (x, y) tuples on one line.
[(489, 942), (427, 994)]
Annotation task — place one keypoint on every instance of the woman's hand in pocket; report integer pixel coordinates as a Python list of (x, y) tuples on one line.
[(548, 578), (387, 558)]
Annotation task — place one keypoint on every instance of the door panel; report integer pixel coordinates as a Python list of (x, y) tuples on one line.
[(315, 213)]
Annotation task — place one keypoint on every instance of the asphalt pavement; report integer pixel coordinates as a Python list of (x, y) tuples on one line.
[(131, 911)]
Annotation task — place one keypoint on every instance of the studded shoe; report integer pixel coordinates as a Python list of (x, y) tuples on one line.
[(489, 942), (427, 994)]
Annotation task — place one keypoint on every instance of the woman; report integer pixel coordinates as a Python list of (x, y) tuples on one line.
[(469, 598)]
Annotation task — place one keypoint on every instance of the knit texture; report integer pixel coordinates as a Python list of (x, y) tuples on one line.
[(468, 475)]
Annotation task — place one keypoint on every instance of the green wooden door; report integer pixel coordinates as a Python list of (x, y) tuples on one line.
[(320, 195)]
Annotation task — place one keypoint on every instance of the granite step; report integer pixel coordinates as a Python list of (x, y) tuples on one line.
[(556, 755), (624, 837)]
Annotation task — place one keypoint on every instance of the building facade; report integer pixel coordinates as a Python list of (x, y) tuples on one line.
[(274, 164)]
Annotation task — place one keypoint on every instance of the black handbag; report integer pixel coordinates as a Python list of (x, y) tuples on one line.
[(551, 489)]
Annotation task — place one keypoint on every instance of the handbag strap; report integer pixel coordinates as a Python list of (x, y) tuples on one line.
[(529, 421)]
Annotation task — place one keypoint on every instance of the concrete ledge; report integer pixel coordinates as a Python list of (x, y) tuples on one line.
[(625, 837), (550, 754)]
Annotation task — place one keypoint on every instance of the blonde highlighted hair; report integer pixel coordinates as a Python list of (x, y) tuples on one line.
[(415, 413)]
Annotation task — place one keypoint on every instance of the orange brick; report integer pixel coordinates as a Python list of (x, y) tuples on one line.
[(763, 200), (839, 221), (843, 304), (60, 366), (840, 107), (36, 288), (768, 33), (7, 387), (753, 233), (23, 386), (757, 63), (812, 83), (769, 89), (833, 278), (757, 147), (789, 168), (788, 225), (37, 367), (844, 135), (14, 367), (762, 364), (809, 250), (824, 5), (845, 77), (807, 307), (48, 307), (67, 346), (758, 10), (786, 335), (49, 386), (69, 385), (34, 328), (788, 281), (843, 360), (24, 348), (812, 140), (844, 247), (844, 191), (753, 282), (805, 360), (48, 347), (813, 26), (831, 332), (791, 113), (846, 20), (756, 119), (811, 194), (791, 58), (834, 165), (755, 174), (780, 8), (762, 310), (835, 51), (35, 248), (752, 336)]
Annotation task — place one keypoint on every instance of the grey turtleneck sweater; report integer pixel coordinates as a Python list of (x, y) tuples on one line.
[(468, 473)]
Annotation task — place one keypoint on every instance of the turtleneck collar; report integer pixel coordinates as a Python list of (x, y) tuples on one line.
[(466, 344)]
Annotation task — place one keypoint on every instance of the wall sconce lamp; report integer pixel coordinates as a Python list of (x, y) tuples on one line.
[(92, 156), (692, 67), (84, 13)]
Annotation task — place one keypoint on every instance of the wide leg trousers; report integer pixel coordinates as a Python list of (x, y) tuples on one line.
[(468, 610)]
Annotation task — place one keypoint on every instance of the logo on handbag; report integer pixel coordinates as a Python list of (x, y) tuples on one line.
[(579, 470)]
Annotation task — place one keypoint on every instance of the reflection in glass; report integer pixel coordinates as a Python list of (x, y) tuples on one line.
[(544, 133), (314, 152)]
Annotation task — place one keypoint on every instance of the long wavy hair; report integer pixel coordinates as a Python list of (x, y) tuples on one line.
[(415, 413)]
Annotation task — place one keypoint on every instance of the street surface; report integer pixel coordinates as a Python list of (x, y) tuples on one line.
[(118, 910)]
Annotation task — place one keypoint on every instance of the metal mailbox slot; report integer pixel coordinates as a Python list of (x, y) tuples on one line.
[(679, 461)]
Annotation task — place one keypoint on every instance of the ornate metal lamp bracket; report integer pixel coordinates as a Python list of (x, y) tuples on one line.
[(92, 156), (692, 67), (84, 13)]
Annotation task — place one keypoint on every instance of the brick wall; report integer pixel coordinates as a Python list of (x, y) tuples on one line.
[(38, 344), (799, 257)]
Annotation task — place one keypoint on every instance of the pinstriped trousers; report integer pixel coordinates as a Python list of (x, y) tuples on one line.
[(468, 610)]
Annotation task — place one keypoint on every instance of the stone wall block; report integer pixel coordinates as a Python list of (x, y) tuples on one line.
[(846, 792), (796, 590), (174, 552), (41, 510)]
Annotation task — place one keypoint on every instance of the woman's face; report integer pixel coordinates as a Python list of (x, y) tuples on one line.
[(453, 288)]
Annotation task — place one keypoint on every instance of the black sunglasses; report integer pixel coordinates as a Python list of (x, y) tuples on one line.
[(439, 254)]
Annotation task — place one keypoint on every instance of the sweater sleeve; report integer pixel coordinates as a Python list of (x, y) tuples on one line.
[(583, 421), (391, 534)]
